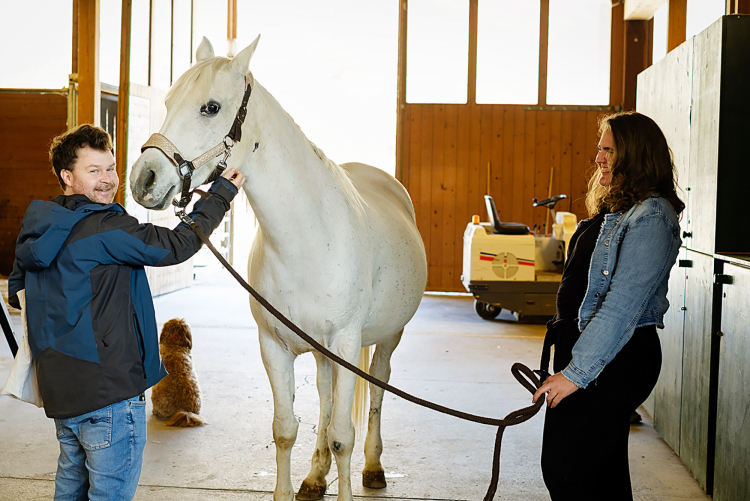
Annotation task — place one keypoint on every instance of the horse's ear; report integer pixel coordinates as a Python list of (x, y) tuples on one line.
[(205, 50), (242, 60)]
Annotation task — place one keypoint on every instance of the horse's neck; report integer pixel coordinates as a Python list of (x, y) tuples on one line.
[(293, 194)]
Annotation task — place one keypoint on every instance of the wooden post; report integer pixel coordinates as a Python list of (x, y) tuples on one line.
[(543, 50), (74, 50), (738, 7), (616, 56), (231, 26), (677, 24), (637, 58), (473, 16), (123, 101), (89, 86), (401, 89)]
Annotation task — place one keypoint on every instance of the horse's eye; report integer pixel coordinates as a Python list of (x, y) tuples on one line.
[(210, 108)]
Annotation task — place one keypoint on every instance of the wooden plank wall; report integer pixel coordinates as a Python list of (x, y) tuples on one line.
[(28, 122), (446, 149)]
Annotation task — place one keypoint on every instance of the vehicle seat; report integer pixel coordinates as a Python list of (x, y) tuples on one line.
[(500, 227)]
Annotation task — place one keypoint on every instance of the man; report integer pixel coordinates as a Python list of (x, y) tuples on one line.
[(91, 322)]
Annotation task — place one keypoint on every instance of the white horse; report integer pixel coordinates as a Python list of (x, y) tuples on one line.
[(337, 251)]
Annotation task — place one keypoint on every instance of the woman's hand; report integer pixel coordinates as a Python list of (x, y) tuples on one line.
[(558, 387), (234, 176)]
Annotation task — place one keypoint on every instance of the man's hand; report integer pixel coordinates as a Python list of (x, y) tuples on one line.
[(234, 176), (558, 387)]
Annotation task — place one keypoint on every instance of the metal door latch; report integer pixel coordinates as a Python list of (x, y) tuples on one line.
[(720, 279)]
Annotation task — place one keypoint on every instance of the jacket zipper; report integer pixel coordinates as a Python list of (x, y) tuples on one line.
[(141, 345)]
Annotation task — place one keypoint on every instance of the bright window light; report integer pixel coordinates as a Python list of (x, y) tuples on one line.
[(703, 13), (437, 51), (161, 44), (181, 56), (139, 22), (110, 21), (661, 18), (578, 55), (36, 40), (508, 52)]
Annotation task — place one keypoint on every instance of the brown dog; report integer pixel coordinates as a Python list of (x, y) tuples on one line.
[(177, 397)]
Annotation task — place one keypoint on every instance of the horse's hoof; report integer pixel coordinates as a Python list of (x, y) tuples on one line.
[(311, 492), (373, 479)]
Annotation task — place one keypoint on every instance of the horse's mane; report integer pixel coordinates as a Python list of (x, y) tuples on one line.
[(203, 73)]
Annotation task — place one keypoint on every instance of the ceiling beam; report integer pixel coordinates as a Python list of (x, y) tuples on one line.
[(641, 9)]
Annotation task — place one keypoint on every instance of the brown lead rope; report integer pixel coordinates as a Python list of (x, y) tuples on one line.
[(518, 370)]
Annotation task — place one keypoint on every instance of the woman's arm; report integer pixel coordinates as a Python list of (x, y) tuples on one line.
[(645, 257)]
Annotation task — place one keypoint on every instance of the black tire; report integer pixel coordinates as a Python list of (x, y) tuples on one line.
[(487, 311)]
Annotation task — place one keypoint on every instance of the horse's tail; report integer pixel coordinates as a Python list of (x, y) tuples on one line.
[(361, 393)]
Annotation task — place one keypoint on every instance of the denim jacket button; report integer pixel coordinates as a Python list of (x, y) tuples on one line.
[(606, 244), (597, 294), (606, 272)]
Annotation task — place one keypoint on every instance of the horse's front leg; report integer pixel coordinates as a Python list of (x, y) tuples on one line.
[(373, 476), (279, 365), (314, 486), (341, 430)]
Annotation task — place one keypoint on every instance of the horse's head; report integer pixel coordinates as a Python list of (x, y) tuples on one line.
[(201, 107)]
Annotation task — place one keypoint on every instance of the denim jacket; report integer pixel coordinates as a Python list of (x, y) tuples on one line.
[(627, 286)]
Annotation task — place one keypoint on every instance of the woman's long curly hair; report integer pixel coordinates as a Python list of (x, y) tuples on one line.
[(642, 165)]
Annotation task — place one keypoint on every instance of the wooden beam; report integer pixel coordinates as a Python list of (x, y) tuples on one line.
[(637, 58), (473, 17), (642, 10), (677, 24), (123, 100), (543, 50), (231, 27), (616, 56), (738, 7), (74, 66), (401, 89), (89, 86)]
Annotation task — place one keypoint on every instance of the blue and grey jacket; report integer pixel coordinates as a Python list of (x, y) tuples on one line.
[(91, 322), (627, 286)]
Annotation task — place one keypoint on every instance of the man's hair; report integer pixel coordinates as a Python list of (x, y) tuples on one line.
[(64, 149), (641, 165)]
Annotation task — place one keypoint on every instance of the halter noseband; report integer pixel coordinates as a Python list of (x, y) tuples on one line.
[(185, 168)]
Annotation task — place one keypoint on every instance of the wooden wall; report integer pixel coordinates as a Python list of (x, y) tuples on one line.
[(446, 149), (28, 122)]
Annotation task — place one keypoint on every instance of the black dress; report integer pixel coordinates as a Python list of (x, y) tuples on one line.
[(585, 445)]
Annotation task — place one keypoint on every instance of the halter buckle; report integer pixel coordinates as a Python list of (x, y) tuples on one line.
[(185, 169)]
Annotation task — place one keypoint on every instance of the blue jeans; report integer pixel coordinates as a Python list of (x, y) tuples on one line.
[(101, 453)]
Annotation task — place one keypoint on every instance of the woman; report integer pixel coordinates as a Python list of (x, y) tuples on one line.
[(611, 299)]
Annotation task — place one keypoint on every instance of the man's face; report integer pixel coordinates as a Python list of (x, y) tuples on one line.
[(605, 157), (93, 174)]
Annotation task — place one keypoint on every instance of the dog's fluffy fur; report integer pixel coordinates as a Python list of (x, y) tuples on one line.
[(177, 397)]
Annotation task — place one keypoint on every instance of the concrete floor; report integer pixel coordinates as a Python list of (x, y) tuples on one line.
[(448, 355)]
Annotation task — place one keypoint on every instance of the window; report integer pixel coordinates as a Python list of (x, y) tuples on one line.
[(703, 13), (139, 22), (36, 41), (161, 44), (437, 51), (661, 20), (579, 49), (210, 18), (110, 22), (508, 52), (182, 24)]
